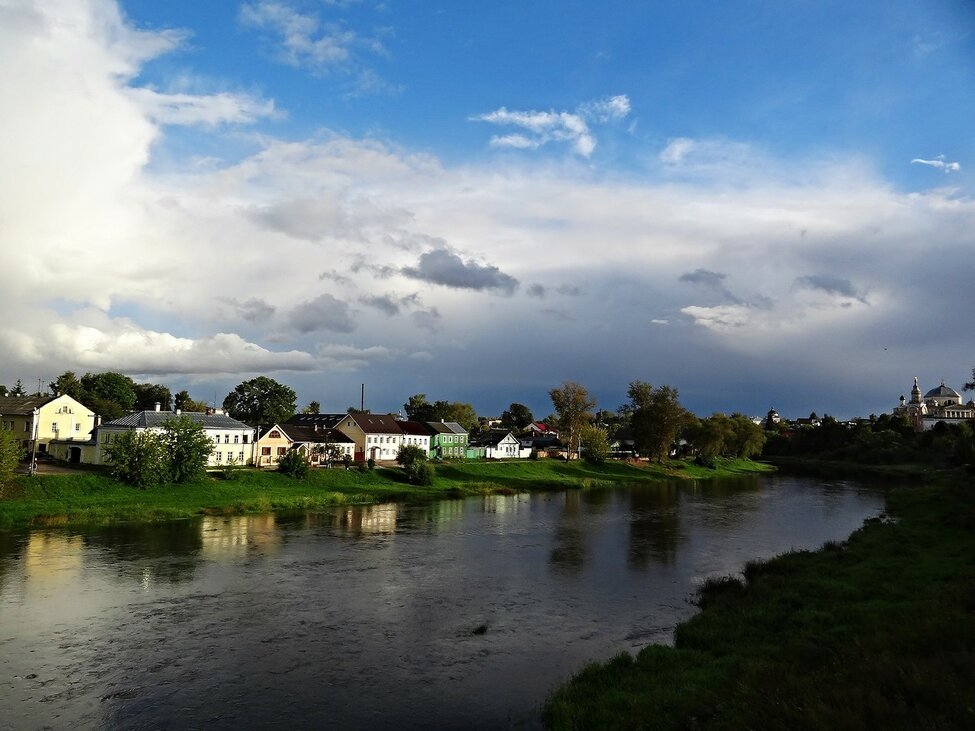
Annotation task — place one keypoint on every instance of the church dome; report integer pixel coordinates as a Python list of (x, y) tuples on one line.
[(943, 391)]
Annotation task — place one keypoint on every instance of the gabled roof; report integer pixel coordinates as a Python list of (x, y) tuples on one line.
[(149, 419), (305, 433), (376, 423), (22, 405), (490, 438), (417, 428)]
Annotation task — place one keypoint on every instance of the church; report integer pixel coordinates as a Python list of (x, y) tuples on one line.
[(939, 404)]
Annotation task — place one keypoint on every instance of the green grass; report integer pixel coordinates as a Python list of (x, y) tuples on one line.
[(89, 497), (876, 632)]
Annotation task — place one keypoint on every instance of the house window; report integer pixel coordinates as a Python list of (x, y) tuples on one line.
[(54, 426), (240, 456), (236, 438), (275, 434), (245, 438), (282, 451), (226, 439), (266, 451), (219, 456), (77, 427)]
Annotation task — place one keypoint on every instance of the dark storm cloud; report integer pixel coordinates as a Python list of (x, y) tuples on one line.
[(831, 285), (710, 280), (251, 310), (325, 312), (427, 319), (448, 269), (384, 304)]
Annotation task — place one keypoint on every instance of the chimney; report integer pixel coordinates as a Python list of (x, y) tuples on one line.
[(158, 406)]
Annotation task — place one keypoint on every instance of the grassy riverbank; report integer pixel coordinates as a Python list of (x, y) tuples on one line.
[(877, 632), (87, 497)]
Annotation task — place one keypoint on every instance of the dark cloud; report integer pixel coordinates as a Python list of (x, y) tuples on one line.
[(536, 290), (334, 276), (831, 285), (379, 272), (569, 290), (251, 310), (427, 319), (710, 280), (322, 313), (384, 304), (444, 267)]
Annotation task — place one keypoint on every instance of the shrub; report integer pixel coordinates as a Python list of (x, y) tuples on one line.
[(138, 459), (231, 469), (294, 465), (371, 463), (594, 444), (419, 473)]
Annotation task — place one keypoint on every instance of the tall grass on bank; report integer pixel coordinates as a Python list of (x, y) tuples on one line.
[(877, 632)]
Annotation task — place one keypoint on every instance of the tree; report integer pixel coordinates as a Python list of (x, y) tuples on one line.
[(11, 453), (414, 462), (417, 408), (4, 391), (517, 417), (138, 459), (711, 436), (147, 395), (261, 400), (294, 465), (657, 420), (313, 407), (188, 448), (970, 386), (109, 394), (67, 384), (594, 444), (749, 437), (572, 406), (182, 401), (18, 389)]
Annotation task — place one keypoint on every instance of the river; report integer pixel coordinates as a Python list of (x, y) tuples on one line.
[(453, 614)]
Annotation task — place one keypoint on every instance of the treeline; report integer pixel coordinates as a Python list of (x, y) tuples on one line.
[(881, 440)]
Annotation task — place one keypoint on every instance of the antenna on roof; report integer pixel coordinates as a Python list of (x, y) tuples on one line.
[(362, 398)]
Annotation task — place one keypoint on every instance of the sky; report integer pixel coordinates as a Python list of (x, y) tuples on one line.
[(761, 204)]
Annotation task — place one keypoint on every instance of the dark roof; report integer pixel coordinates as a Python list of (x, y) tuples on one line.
[(446, 427), (323, 420), (376, 423), (489, 438), (942, 391), (415, 427), (22, 405), (305, 433), (148, 419)]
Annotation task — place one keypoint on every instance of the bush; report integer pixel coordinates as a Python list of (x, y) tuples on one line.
[(371, 463), (419, 473), (231, 469), (10, 455), (294, 465), (363, 467), (139, 459), (594, 444)]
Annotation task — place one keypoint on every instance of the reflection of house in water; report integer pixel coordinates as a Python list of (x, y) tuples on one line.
[(370, 519), (52, 559), (234, 537)]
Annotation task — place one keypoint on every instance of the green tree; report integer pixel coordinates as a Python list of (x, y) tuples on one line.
[(138, 459), (417, 408), (313, 407), (67, 384), (517, 417), (184, 402), (147, 395), (657, 420), (414, 462), (188, 448), (18, 389), (294, 465), (109, 394), (749, 437), (11, 453), (970, 386), (711, 436), (4, 391), (261, 400), (572, 407), (594, 443)]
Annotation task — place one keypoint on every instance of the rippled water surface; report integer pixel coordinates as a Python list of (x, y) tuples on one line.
[(461, 613)]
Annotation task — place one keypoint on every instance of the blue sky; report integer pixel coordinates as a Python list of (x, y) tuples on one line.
[(762, 204)]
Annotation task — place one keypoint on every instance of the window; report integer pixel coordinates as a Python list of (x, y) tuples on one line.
[(266, 451), (282, 451), (245, 438), (240, 457), (236, 438), (54, 426), (275, 434), (219, 457), (226, 439), (77, 427)]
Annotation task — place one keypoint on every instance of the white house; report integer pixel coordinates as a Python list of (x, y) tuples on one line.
[(498, 444)]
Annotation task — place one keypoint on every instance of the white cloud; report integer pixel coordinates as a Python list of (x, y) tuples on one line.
[(211, 109), (939, 163), (544, 127)]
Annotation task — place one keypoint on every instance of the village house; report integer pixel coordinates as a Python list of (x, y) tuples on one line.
[(46, 422), (449, 439), (232, 439), (498, 444), (376, 436)]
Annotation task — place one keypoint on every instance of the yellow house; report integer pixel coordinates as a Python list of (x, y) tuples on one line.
[(271, 446), (41, 420)]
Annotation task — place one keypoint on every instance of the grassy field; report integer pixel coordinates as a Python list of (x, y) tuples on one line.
[(877, 632), (87, 497)]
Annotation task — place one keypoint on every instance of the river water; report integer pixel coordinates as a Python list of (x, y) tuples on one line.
[(455, 614)]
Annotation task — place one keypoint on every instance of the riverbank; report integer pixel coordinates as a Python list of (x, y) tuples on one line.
[(876, 632), (91, 497), (899, 473)]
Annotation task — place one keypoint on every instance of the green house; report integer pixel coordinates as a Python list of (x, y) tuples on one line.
[(449, 440)]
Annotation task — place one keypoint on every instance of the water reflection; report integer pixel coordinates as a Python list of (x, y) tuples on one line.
[(366, 617), (655, 527)]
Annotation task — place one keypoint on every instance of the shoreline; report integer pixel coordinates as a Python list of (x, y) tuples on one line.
[(873, 632), (89, 497)]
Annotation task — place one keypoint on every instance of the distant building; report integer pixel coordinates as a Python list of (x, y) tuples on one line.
[(939, 404), (56, 425)]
